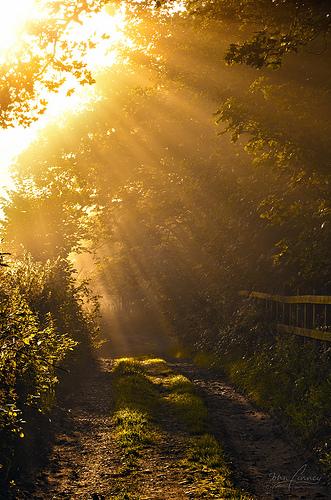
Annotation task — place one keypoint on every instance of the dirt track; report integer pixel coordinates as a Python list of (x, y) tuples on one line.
[(264, 461), (86, 463)]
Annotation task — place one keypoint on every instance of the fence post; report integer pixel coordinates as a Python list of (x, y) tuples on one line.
[(283, 318)]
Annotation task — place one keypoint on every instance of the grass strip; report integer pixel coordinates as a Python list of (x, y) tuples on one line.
[(181, 400), (147, 386), (210, 474), (135, 401), (204, 466)]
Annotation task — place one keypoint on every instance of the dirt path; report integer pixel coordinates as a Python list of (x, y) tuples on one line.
[(264, 462), (86, 462)]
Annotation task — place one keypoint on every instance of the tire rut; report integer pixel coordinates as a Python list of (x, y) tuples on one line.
[(86, 463), (263, 460)]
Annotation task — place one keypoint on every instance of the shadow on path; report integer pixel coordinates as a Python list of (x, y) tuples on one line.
[(263, 460)]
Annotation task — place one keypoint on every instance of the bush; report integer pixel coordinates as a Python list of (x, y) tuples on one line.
[(43, 317), (281, 372)]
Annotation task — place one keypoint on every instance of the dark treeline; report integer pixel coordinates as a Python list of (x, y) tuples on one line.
[(203, 170)]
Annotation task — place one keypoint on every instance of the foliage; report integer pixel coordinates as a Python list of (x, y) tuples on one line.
[(55, 209), (179, 230), (302, 395), (279, 27), (3, 256), (48, 58), (42, 319), (253, 356), (273, 129), (50, 55)]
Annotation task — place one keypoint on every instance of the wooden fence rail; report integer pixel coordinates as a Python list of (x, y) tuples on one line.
[(304, 315)]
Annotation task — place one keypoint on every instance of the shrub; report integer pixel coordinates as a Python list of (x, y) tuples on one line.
[(44, 315)]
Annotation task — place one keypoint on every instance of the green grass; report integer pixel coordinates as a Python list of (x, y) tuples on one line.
[(182, 402), (212, 477), (155, 366), (135, 401), (302, 392), (189, 410), (135, 391), (126, 366), (133, 430), (302, 395), (145, 387), (205, 450), (178, 384)]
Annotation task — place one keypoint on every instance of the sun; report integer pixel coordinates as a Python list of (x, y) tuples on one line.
[(106, 27), (14, 15)]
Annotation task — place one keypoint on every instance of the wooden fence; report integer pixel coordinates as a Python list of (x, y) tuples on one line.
[(304, 315)]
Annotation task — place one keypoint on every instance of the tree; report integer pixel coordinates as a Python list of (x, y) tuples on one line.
[(141, 178), (41, 63), (279, 27), (48, 54)]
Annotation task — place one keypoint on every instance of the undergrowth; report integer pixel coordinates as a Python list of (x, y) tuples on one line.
[(285, 374), (42, 320)]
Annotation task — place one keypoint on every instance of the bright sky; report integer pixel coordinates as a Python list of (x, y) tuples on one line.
[(14, 15)]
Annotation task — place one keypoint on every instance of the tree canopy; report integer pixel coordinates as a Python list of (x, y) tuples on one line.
[(47, 54)]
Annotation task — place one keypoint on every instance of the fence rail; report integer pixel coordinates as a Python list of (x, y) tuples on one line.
[(289, 299), (304, 315)]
